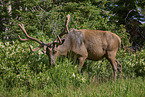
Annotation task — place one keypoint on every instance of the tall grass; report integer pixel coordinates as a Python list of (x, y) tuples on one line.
[(122, 88)]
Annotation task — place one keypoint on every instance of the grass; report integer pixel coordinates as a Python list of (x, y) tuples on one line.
[(122, 88)]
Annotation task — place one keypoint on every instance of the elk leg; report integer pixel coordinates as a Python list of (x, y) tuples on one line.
[(81, 63), (114, 68), (111, 58), (119, 67)]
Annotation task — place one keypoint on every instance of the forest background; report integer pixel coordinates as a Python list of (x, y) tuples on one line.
[(26, 73)]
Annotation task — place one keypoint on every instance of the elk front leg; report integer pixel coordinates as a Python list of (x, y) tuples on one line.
[(81, 63)]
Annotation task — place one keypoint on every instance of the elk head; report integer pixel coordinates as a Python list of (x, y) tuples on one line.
[(49, 48)]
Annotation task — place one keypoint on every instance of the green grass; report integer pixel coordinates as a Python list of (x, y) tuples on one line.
[(122, 88)]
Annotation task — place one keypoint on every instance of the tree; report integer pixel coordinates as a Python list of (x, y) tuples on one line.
[(130, 13)]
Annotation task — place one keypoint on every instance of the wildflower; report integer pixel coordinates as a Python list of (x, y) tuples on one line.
[(73, 75), (83, 80), (48, 78)]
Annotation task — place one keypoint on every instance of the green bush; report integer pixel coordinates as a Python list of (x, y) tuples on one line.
[(20, 67)]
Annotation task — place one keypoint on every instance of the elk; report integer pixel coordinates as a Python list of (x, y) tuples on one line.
[(84, 43)]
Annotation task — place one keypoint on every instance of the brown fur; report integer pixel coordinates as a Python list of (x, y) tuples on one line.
[(95, 45)]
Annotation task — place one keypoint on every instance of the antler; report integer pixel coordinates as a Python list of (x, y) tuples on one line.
[(42, 44), (31, 38), (33, 50), (68, 18), (59, 39), (66, 27), (63, 32)]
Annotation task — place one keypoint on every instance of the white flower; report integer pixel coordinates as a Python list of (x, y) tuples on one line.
[(7, 43), (1, 45), (83, 80), (73, 75), (48, 78), (39, 52)]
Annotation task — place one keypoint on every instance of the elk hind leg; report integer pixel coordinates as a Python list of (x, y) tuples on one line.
[(111, 57), (119, 67)]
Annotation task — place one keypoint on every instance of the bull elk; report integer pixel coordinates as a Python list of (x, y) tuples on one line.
[(85, 44)]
